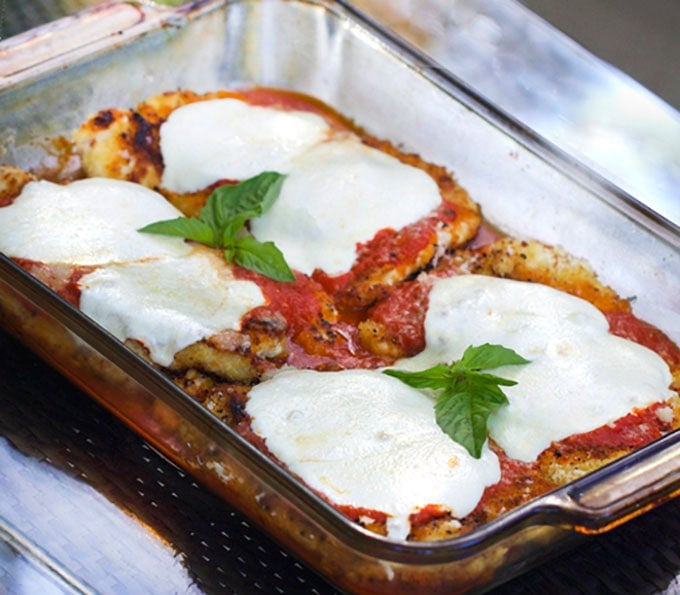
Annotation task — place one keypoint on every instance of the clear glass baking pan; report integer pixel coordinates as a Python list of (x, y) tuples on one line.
[(118, 54)]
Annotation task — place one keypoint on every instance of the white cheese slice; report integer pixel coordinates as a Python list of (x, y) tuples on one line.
[(338, 194), (87, 222), (207, 141), (365, 439), (580, 376), (168, 304)]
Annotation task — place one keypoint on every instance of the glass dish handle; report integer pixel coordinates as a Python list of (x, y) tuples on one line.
[(622, 490)]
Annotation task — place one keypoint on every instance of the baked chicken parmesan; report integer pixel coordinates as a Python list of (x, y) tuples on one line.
[(355, 213), (353, 317)]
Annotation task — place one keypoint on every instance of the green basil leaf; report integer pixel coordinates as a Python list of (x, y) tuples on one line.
[(222, 224), (463, 417), (189, 228), (216, 211), (249, 199), (466, 397), (232, 228), (485, 391), (262, 257), (260, 192), (431, 378), (492, 378), (487, 356), (453, 413)]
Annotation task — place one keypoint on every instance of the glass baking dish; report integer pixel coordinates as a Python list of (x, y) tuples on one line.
[(118, 54)]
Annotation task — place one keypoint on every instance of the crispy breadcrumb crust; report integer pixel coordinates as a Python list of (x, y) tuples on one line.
[(12, 181)]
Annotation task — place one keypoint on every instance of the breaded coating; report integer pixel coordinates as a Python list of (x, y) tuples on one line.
[(534, 261), (388, 331), (12, 182)]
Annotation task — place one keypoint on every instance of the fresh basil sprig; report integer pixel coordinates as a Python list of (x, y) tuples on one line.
[(221, 224), (466, 396)]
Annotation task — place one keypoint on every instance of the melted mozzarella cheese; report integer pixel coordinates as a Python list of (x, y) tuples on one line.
[(140, 289), (153, 302), (338, 194), (365, 439), (229, 139), (88, 222), (580, 376)]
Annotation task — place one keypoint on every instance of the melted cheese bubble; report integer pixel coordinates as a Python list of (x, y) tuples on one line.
[(580, 376), (365, 439)]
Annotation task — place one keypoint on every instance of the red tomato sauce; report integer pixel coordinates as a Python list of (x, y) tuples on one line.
[(519, 482), (628, 326), (356, 513), (321, 338), (290, 100), (634, 430), (300, 302), (403, 316), (427, 514), (62, 279), (390, 250)]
